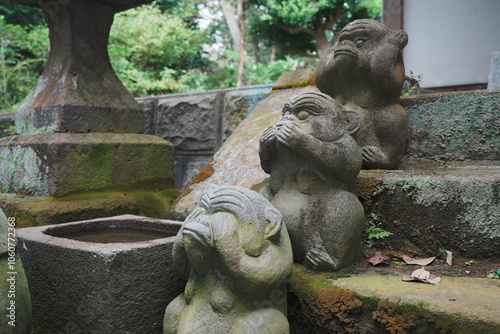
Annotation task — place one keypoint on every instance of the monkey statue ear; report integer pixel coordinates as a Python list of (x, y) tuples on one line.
[(353, 121)]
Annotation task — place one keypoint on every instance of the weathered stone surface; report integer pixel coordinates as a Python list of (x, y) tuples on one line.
[(454, 126), (313, 161), (191, 124), (457, 209), (85, 287), (386, 304), (198, 123), (78, 90), (15, 300), (187, 167), (494, 77), (238, 103), (60, 164), (237, 161), (235, 252), (35, 212), (365, 72)]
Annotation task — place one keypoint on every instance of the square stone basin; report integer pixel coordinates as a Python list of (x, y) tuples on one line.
[(109, 275)]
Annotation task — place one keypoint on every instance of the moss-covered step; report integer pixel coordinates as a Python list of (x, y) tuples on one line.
[(49, 210), (329, 303), (61, 164), (457, 208)]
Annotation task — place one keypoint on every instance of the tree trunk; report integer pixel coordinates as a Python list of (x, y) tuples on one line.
[(232, 23), (241, 21)]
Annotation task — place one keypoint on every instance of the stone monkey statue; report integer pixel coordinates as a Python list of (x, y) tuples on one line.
[(364, 71), (236, 255), (314, 162)]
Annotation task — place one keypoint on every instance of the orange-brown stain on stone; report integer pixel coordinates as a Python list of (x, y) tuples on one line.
[(324, 305)]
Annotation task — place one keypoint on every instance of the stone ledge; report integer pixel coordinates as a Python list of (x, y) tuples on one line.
[(430, 208), (59, 164), (385, 304)]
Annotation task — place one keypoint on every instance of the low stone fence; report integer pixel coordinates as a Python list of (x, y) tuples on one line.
[(198, 123)]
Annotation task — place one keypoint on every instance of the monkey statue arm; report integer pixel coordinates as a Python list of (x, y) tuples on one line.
[(323, 154), (267, 148), (387, 68), (253, 275)]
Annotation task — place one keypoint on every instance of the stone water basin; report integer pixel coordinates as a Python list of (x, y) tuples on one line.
[(108, 275)]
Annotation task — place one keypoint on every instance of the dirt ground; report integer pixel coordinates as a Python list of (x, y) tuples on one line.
[(461, 267)]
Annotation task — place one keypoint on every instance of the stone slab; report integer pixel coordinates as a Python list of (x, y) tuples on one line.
[(370, 303), (454, 126), (59, 164), (191, 123), (35, 212), (494, 76), (105, 288), (457, 209), (465, 297), (238, 103)]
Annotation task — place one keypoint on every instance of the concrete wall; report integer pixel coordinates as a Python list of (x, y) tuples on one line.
[(451, 41)]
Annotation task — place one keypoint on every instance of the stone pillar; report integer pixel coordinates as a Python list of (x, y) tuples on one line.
[(81, 152), (78, 90)]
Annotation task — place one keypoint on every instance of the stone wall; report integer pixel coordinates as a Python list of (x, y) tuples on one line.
[(198, 123)]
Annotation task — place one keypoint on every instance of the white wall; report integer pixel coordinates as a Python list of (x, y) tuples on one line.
[(451, 41)]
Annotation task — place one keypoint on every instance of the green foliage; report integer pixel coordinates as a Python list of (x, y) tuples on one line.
[(19, 14), (278, 20), (494, 274), (10, 131), (23, 51), (154, 52), (377, 233)]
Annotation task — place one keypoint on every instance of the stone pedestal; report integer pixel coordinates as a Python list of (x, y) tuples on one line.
[(78, 90), (81, 153)]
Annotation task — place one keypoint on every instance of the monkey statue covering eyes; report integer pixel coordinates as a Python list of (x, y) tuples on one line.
[(313, 162), (364, 71), (236, 255)]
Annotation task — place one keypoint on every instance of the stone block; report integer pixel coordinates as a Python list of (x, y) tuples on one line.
[(430, 208), (192, 122), (60, 164), (238, 103), (106, 288), (454, 126), (494, 76), (187, 167)]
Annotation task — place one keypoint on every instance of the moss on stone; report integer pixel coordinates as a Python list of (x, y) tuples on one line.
[(318, 304), (49, 210)]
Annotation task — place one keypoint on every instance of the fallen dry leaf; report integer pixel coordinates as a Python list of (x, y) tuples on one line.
[(378, 258), (422, 275), (433, 280), (420, 262), (449, 257)]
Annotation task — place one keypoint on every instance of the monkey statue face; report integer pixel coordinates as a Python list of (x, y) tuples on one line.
[(318, 115)]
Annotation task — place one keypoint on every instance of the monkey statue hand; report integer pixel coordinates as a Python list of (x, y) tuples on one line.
[(290, 133), (373, 156), (398, 38), (269, 136)]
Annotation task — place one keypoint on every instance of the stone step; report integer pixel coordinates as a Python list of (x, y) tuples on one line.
[(371, 303), (429, 207)]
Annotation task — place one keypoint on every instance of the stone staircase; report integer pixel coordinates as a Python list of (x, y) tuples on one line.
[(444, 196)]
